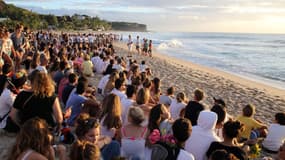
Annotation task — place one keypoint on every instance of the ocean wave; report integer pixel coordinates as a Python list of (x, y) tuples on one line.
[(174, 43)]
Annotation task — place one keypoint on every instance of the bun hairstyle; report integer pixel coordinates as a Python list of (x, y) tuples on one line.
[(84, 124), (180, 97), (83, 150), (233, 128), (137, 115)]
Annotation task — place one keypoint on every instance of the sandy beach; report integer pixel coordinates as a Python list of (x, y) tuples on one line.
[(236, 91), (186, 76)]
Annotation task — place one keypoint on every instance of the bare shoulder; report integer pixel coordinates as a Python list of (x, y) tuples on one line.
[(36, 156)]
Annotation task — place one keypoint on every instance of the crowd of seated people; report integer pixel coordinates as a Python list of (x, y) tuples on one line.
[(45, 91)]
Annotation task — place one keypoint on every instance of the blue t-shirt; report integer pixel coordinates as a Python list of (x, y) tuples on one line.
[(75, 101)]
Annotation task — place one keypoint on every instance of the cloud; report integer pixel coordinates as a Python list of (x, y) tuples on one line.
[(179, 15)]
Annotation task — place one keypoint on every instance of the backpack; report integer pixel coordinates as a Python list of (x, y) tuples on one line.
[(164, 151)]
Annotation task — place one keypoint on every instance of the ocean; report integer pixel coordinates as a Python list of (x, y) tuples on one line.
[(258, 57)]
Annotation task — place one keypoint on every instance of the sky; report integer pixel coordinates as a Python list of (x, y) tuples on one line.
[(242, 16)]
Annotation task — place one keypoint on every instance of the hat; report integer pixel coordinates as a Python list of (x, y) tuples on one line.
[(220, 101), (19, 79)]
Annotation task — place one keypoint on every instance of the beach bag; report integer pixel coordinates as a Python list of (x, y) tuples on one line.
[(164, 151)]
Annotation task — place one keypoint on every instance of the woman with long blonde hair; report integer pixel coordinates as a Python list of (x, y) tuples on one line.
[(39, 101), (111, 122)]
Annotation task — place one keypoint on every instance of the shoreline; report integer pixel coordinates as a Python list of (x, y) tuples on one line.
[(235, 90), (237, 78)]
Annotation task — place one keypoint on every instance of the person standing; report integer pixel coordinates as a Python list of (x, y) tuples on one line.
[(150, 48), (130, 45), (138, 44), (18, 39)]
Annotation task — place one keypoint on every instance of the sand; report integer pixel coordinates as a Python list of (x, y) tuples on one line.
[(236, 91), (186, 76)]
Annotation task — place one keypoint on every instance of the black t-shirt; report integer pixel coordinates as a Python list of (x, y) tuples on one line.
[(238, 152), (35, 106), (192, 111), (66, 92)]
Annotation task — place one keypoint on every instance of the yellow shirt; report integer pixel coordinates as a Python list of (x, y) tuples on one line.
[(87, 68), (249, 124)]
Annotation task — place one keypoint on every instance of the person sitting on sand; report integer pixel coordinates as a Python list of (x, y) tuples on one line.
[(35, 142), (26, 104), (88, 129), (7, 98), (167, 98), (142, 101), (43, 63), (251, 125), (155, 90), (276, 133), (84, 150), (110, 85), (221, 112), (128, 102), (194, 107), (118, 66), (231, 131), (120, 88), (75, 101), (177, 105), (72, 81), (87, 66), (143, 66), (134, 135), (203, 134), (110, 120), (181, 131)]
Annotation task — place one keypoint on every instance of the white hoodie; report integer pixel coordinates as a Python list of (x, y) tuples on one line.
[(202, 135)]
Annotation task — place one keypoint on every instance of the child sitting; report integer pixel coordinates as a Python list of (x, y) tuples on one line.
[(276, 134), (251, 125)]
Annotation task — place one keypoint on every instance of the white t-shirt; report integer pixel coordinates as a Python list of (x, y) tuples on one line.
[(126, 103), (275, 137), (95, 61), (143, 67), (164, 99), (103, 82), (7, 99), (184, 155), (102, 66), (175, 109), (119, 93), (118, 67)]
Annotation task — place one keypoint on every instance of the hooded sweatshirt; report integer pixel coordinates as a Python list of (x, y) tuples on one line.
[(202, 135)]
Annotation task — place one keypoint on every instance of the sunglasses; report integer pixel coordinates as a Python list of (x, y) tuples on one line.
[(92, 123)]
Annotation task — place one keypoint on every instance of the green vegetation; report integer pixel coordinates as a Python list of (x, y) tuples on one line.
[(33, 20), (126, 26)]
